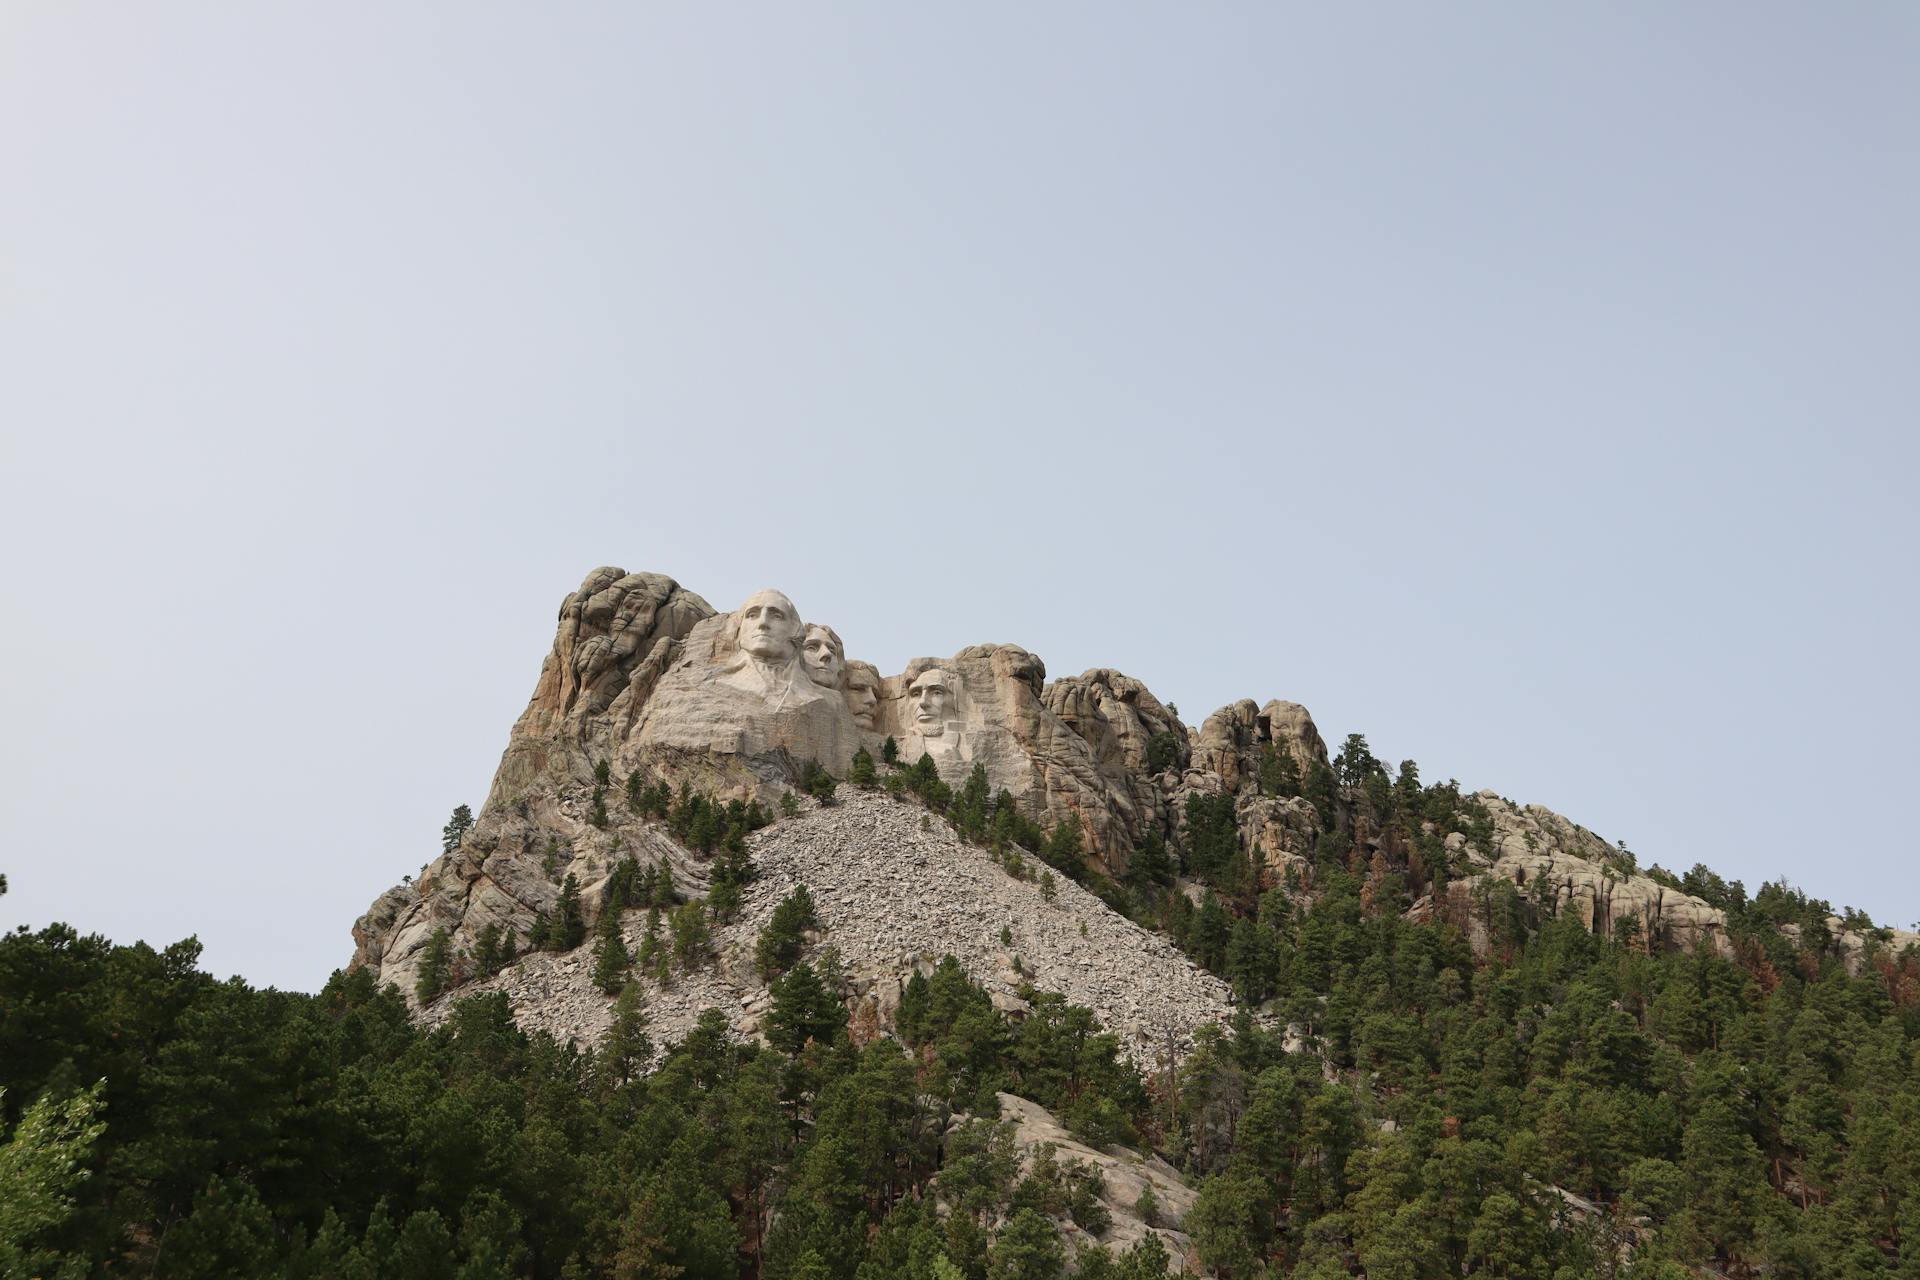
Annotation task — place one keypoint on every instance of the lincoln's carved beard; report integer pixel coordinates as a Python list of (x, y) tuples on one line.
[(932, 695)]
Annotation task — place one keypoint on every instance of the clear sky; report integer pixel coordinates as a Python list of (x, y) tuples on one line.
[(1529, 387)]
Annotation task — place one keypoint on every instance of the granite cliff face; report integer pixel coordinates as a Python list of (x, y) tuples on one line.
[(645, 678)]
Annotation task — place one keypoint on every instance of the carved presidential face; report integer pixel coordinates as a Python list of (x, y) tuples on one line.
[(769, 626), (862, 691), (824, 655), (932, 698)]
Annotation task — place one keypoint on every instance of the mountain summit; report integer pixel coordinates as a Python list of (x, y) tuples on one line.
[(664, 737)]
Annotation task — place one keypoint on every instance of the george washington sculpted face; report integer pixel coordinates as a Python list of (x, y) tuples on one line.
[(769, 626)]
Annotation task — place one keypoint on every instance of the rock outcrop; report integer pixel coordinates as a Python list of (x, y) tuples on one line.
[(1570, 871), (1126, 1174), (645, 679), (644, 676), (891, 898)]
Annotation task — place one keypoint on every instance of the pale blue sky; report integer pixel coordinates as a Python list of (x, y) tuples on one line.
[(1530, 387)]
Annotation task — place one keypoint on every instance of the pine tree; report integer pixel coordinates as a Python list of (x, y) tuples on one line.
[(1355, 763), (494, 950), (456, 829), (784, 937), (972, 809), (862, 774), (1064, 848), (817, 782), (1147, 1206), (803, 1009), (1279, 772), (436, 962), (692, 942), (890, 751), (1027, 1248), (1211, 931), (568, 928), (627, 1048), (1150, 865), (610, 958)]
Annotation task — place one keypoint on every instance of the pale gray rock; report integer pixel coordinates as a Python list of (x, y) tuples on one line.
[(1120, 720), (1126, 1172), (740, 693), (1280, 834), (1233, 740), (1573, 872), (892, 898)]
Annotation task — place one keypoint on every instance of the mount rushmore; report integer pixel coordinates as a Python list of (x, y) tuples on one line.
[(645, 679)]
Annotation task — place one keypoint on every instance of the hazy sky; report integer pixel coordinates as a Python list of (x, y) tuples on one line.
[(1530, 389)]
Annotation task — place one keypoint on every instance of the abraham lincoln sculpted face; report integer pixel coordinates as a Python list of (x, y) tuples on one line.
[(932, 699)]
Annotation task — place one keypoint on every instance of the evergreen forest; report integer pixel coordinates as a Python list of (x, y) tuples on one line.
[(1559, 1104)]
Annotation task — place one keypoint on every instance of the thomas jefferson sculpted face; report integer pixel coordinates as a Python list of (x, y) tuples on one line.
[(769, 626), (823, 655), (932, 698)]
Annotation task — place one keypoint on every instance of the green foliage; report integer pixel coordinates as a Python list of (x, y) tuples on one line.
[(732, 873), (1064, 850), (972, 812), (436, 966), (890, 752), (1028, 1249), (784, 937), (1213, 835), (697, 820), (1279, 772), (494, 950), (1146, 1205), (42, 1163), (923, 780), (1163, 752), (1756, 1112), (692, 939), (1150, 867), (456, 829), (817, 782), (566, 925), (862, 774), (1355, 763), (610, 958), (803, 1010)]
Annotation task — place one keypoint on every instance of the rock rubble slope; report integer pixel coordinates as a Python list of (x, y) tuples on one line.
[(645, 679), (893, 896)]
